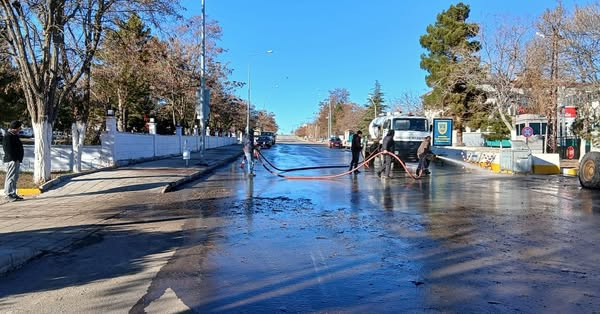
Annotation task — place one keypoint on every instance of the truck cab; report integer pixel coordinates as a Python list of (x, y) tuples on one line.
[(409, 132)]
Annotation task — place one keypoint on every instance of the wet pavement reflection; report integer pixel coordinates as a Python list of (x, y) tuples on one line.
[(453, 241)]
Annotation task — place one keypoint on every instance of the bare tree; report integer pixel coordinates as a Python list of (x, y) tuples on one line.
[(582, 43), (545, 68), (408, 102), (503, 57), (38, 33)]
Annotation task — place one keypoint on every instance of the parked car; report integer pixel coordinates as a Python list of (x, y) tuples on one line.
[(271, 135), (26, 133), (264, 141), (335, 142)]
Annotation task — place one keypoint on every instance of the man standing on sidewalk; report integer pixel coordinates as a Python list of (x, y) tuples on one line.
[(13, 157)]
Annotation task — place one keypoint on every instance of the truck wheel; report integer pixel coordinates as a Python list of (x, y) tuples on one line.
[(589, 171)]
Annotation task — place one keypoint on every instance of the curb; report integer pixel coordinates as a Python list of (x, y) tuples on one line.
[(171, 186), (571, 172), (29, 192)]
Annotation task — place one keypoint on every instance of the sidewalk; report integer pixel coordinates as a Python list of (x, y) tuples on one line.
[(79, 206)]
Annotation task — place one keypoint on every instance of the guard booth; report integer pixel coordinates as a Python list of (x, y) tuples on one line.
[(538, 124), (517, 158)]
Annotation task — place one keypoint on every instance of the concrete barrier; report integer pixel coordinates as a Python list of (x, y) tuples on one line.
[(546, 164)]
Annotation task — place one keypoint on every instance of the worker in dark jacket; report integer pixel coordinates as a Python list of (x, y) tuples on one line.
[(13, 157), (424, 154), (356, 147), (387, 145), (248, 149)]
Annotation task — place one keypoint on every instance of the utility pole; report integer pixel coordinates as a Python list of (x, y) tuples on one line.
[(329, 124), (203, 108)]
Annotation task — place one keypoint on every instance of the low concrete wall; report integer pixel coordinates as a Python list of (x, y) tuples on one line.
[(62, 158), (490, 158), (546, 163), (120, 148)]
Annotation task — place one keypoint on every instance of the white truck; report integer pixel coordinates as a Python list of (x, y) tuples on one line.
[(347, 138), (409, 132)]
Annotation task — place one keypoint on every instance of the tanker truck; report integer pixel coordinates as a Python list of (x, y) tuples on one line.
[(409, 132)]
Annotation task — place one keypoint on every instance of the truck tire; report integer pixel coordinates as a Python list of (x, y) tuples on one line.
[(589, 171)]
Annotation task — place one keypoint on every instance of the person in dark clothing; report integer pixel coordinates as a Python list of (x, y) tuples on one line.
[(249, 152), (387, 145), (424, 153), (13, 157), (356, 147)]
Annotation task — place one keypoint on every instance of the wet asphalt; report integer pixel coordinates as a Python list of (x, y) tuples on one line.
[(455, 241)]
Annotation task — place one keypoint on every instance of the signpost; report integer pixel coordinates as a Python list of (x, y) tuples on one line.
[(442, 132), (527, 132)]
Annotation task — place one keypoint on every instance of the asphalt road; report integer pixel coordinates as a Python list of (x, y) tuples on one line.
[(455, 241)]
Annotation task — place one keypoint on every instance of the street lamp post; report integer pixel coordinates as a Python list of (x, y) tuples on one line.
[(329, 122), (202, 110), (248, 103)]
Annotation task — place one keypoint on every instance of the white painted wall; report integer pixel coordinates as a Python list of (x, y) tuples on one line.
[(118, 146)]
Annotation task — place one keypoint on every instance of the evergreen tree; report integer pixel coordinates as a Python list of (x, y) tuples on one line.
[(453, 66), (375, 106)]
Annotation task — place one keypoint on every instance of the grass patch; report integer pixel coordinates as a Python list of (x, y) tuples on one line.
[(26, 179)]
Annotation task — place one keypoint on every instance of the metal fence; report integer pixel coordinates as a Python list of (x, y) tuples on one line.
[(563, 147)]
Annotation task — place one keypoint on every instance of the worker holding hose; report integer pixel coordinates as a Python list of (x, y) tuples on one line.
[(356, 147), (249, 152), (387, 146), (424, 154)]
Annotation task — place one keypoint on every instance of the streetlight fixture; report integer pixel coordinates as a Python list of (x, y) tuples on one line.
[(248, 103)]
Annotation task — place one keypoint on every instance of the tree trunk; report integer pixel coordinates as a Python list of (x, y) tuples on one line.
[(78, 128), (121, 113), (43, 138), (459, 132), (505, 116), (78, 136)]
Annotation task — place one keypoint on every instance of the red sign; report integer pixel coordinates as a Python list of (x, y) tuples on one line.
[(570, 112), (527, 131), (570, 152)]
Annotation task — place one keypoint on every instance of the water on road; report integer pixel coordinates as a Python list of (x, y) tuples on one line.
[(453, 241)]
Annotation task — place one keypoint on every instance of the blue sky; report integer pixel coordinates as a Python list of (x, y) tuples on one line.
[(320, 45)]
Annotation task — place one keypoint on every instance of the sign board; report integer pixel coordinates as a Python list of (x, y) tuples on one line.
[(527, 132), (570, 112), (570, 152), (442, 132)]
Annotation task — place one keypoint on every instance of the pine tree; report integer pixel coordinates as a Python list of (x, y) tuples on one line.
[(375, 106), (453, 66)]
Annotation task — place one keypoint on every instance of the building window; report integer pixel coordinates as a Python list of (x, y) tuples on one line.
[(536, 128), (544, 128), (519, 128)]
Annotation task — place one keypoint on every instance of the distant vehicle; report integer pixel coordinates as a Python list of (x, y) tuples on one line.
[(272, 135), (348, 135), (264, 141), (335, 142), (26, 133)]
